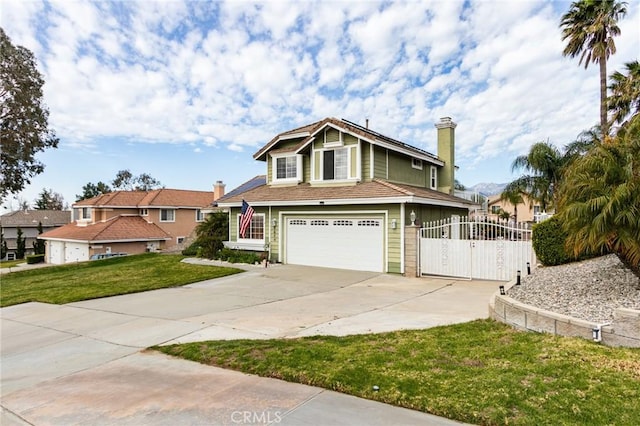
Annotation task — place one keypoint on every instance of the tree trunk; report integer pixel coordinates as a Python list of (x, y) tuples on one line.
[(603, 95)]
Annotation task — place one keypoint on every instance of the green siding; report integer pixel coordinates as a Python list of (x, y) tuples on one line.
[(431, 213), (269, 169), (366, 161), (332, 135), (401, 171), (316, 171), (353, 172), (379, 162), (348, 139), (306, 169)]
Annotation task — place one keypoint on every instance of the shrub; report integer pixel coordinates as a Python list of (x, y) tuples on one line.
[(35, 258), (238, 256), (549, 242), (192, 250)]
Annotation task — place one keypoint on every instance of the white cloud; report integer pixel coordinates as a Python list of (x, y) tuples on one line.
[(232, 74)]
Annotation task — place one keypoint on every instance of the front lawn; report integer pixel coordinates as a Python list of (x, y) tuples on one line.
[(481, 372), (101, 278)]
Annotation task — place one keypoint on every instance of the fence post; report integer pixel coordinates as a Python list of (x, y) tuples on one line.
[(411, 251)]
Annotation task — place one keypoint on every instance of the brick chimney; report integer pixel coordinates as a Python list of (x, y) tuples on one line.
[(218, 190), (446, 152)]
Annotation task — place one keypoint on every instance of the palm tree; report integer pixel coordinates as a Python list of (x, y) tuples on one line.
[(589, 28), (512, 194), (625, 93), (545, 164), (600, 197)]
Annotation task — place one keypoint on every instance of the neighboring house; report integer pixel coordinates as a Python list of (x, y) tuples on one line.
[(339, 195), (27, 221), (528, 211), (130, 222)]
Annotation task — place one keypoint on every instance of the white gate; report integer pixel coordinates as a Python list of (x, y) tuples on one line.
[(476, 248)]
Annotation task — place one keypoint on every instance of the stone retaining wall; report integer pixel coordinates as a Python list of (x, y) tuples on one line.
[(624, 331)]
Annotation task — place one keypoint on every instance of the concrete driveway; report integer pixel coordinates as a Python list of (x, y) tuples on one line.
[(84, 363)]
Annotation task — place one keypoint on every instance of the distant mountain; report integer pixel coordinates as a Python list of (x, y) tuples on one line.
[(488, 188)]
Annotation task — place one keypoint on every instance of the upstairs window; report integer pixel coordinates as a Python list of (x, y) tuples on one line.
[(433, 181), (286, 168), (199, 216), (144, 212), (167, 215), (85, 213), (335, 164), (416, 163)]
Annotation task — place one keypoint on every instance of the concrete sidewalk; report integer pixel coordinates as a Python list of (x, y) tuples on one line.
[(84, 363)]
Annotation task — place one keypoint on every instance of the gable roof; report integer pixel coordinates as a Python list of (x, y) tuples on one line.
[(309, 131), (372, 192), (119, 228), (31, 218), (156, 198)]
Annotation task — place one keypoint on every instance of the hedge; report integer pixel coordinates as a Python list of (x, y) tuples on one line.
[(548, 242), (35, 258)]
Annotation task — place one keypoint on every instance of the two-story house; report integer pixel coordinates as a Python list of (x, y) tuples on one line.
[(337, 194), (130, 222), (28, 221)]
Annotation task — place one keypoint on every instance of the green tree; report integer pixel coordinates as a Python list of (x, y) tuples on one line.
[(126, 181), (24, 128), (3, 246), (512, 194), (39, 245), (91, 190), (589, 28), (543, 164), (600, 198), (49, 200), (211, 233), (21, 243), (624, 100)]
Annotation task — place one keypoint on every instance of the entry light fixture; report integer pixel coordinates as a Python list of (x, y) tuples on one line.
[(502, 292), (274, 222), (412, 216), (394, 224)]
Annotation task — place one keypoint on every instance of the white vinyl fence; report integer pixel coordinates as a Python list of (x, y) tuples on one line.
[(476, 248)]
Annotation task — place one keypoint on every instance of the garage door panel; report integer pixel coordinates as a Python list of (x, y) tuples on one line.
[(346, 243)]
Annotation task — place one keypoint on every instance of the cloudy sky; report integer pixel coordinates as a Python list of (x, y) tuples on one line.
[(187, 91)]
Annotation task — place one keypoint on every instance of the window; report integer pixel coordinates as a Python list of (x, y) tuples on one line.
[(179, 240), (85, 213), (335, 164), (434, 178), (255, 230), (144, 212), (495, 209), (416, 163), (286, 168), (167, 215), (199, 216), (536, 210)]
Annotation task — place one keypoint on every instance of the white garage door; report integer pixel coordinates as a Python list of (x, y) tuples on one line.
[(344, 243)]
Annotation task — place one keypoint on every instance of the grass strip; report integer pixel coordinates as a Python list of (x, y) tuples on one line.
[(101, 278), (481, 372)]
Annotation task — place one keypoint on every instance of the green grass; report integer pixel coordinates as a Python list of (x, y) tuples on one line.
[(11, 263), (101, 278), (481, 372)]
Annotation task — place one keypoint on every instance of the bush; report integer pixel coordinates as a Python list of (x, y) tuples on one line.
[(238, 256), (549, 242), (192, 250), (35, 258)]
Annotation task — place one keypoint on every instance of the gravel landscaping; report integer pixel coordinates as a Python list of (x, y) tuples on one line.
[(589, 290)]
